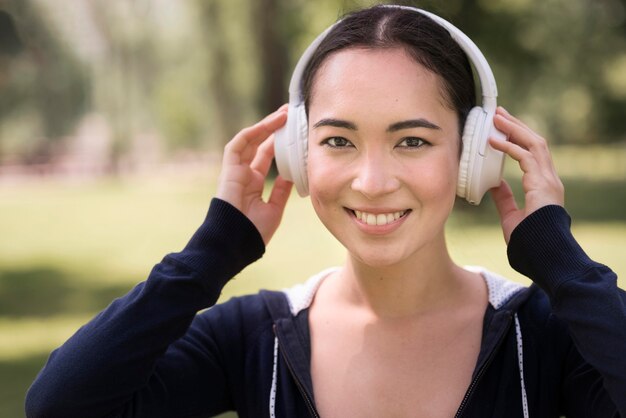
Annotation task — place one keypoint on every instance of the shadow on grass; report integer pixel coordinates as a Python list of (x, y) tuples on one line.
[(585, 200), (45, 290), (17, 375)]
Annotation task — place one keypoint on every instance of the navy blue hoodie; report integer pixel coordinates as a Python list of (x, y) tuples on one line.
[(555, 348)]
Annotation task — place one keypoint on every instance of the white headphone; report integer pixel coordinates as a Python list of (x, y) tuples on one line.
[(480, 167)]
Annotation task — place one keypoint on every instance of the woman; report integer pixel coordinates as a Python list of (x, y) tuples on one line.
[(399, 329)]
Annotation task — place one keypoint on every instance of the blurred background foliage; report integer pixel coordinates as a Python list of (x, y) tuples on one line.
[(172, 76), (113, 114)]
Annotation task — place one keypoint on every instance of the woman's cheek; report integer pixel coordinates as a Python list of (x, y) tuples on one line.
[(321, 171), (326, 183), (434, 179)]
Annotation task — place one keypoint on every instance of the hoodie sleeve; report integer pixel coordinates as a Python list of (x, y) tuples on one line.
[(125, 363), (584, 294)]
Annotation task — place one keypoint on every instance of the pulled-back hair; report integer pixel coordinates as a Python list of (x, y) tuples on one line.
[(391, 27)]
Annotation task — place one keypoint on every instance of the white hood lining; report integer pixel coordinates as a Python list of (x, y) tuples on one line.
[(500, 290)]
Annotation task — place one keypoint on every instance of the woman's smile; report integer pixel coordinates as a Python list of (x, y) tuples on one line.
[(383, 218), (377, 221)]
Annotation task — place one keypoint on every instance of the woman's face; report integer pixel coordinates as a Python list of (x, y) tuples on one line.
[(383, 154)]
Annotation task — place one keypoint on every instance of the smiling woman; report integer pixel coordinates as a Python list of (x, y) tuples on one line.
[(376, 172), (383, 130)]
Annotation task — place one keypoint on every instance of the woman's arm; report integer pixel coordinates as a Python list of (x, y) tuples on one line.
[(143, 355), (583, 293), (117, 362)]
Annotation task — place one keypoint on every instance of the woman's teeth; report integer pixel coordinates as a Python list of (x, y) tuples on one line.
[(378, 219)]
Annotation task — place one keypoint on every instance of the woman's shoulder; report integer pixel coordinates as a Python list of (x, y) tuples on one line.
[(529, 303), (254, 310)]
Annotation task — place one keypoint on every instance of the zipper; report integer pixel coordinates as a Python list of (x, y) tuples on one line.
[(307, 399), (481, 372)]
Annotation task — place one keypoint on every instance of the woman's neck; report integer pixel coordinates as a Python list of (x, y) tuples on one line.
[(426, 281)]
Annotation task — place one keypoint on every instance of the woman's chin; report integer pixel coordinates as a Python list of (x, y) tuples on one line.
[(376, 259)]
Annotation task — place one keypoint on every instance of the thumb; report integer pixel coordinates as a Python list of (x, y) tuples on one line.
[(280, 193), (510, 215), (504, 199)]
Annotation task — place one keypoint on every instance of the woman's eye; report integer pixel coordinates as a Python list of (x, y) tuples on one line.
[(337, 142), (412, 142)]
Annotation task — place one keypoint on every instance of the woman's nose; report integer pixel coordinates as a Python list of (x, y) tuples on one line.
[(375, 176)]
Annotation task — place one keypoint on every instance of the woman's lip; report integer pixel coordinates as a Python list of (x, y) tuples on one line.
[(377, 211)]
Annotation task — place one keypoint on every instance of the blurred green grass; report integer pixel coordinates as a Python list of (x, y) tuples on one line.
[(66, 250)]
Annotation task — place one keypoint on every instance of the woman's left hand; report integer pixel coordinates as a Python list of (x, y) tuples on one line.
[(540, 181), (245, 166)]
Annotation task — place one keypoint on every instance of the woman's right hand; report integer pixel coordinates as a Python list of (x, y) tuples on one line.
[(540, 181), (246, 161)]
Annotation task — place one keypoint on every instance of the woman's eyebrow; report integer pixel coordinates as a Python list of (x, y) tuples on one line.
[(405, 124), (412, 123), (337, 123)]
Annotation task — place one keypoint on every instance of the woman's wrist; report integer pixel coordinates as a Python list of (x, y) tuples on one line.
[(227, 241), (543, 248)]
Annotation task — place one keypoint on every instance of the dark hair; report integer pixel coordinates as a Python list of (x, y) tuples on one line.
[(425, 40)]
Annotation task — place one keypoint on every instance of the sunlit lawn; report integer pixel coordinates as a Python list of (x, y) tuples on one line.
[(66, 250)]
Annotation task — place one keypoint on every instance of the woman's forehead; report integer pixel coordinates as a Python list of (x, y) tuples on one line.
[(386, 78)]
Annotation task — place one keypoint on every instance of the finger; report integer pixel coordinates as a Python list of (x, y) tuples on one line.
[(504, 199), (522, 135), (243, 147), (524, 157), (516, 133), (533, 151), (500, 111), (263, 159), (278, 201), (252, 136), (527, 140), (510, 215), (505, 113), (280, 192)]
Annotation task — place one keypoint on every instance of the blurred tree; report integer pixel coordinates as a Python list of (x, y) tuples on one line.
[(44, 88), (193, 73), (125, 69), (233, 64), (272, 34), (10, 43), (560, 64), (248, 44)]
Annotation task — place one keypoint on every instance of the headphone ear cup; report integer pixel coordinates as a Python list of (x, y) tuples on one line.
[(468, 154), (290, 148), (300, 163)]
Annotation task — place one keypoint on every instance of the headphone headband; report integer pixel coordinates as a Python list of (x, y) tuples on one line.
[(485, 75)]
